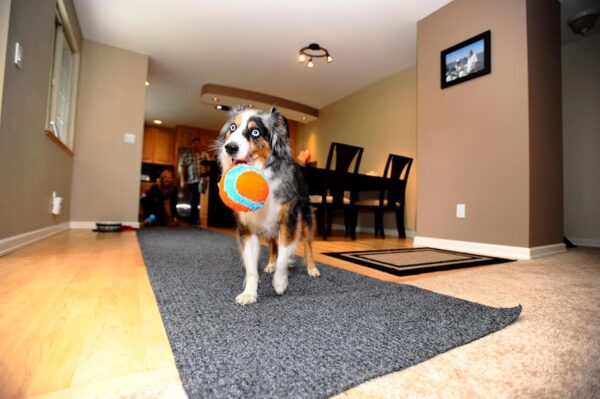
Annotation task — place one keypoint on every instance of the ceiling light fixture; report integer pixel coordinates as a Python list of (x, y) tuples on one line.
[(147, 83), (215, 99), (157, 122), (311, 51), (582, 23), (223, 107)]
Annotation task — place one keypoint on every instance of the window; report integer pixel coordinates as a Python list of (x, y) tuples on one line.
[(63, 90)]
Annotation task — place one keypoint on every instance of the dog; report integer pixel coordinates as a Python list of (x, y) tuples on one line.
[(261, 139)]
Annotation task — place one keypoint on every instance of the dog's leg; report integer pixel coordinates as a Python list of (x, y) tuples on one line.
[(250, 246), (307, 235), (270, 268), (287, 246)]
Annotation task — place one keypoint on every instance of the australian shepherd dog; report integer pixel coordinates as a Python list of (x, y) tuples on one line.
[(260, 139)]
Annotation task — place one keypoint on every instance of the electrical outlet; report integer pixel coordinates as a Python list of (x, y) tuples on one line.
[(460, 211)]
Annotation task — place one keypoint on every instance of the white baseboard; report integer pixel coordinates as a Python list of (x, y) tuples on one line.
[(92, 225), (585, 242), (13, 243), (500, 251), (371, 230)]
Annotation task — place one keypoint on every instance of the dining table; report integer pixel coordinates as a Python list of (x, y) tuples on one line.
[(316, 177)]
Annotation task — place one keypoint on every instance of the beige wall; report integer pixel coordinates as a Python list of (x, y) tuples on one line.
[(106, 176), (381, 118), (581, 139), (32, 166), (474, 138)]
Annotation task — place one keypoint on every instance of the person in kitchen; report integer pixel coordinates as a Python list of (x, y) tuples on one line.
[(159, 203), (190, 176)]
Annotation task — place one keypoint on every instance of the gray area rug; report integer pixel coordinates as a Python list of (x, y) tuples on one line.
[(321, 337), (409, 261)]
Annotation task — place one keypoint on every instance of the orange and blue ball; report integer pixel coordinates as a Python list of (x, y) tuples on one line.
[(243, 188)]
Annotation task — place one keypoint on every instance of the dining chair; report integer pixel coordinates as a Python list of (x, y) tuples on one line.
[(391, 195), (338, 191)]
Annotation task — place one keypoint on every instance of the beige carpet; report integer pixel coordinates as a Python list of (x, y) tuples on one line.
[(551, 351)]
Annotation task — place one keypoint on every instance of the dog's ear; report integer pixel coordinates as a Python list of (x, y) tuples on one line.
[(280, 122), (279, 138)]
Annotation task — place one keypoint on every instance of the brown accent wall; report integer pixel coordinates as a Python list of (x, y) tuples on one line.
[(32, 166), (478, 140), (545, 123)]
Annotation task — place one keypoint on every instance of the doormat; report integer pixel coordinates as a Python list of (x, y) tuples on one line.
[(409, 261)]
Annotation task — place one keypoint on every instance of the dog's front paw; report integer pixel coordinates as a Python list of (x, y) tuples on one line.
[(246, 298), (270, 268), (280, 283), (314, 272)]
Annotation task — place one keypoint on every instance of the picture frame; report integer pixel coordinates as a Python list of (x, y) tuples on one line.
[(466, 60)]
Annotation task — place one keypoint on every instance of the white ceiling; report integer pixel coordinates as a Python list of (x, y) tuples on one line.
[(253, 45)]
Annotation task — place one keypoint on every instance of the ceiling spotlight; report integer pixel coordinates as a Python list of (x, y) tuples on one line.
[(147, 83), (157, 122), (250, 105), (313, 50), (581, 23), (215, 99), (223, 107)]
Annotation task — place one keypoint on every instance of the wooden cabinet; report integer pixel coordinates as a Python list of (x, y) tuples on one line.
[(159, 145)]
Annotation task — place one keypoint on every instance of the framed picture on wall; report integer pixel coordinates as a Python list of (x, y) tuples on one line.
[(466, 60)]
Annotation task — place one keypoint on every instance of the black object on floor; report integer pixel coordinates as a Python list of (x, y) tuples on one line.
[(409, 261), (321, 337)]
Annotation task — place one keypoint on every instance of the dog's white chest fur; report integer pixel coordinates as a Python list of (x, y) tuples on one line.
[(264, 221)]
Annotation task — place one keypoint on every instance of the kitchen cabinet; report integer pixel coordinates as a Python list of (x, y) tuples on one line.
[(159, 145)]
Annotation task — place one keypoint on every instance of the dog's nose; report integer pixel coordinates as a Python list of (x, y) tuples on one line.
[(231, 148)]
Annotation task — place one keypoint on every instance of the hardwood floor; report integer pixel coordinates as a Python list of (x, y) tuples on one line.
[(78, 317)]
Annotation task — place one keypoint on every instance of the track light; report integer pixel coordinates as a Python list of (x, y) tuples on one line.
[(311, 51)]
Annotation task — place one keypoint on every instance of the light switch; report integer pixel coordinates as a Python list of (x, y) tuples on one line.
[(18, 55), (460, 211), (129, 138)]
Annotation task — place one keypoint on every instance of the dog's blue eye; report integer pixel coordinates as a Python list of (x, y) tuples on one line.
[(255, 133), (232, 127)]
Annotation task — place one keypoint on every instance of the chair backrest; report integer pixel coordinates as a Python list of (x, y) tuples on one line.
[(337, 176), (397, 169)]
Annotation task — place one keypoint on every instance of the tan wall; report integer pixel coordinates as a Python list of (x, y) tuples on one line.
[(381, 118), (106, 175), (32, 165), (545, 123), (581, 139), (474, 138)]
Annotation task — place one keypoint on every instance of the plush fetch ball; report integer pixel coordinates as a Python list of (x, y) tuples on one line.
[(243, 188)]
